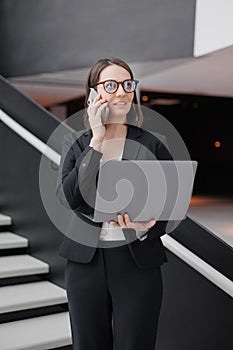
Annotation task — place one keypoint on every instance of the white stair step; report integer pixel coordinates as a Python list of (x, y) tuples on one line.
[(5, 220), (11, 240), (38, 333), (30, 295), (21, 265)]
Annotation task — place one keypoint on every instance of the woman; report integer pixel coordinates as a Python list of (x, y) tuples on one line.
[(114, 293)]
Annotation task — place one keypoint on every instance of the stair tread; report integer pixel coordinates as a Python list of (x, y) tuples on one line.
[(44, 332), (12, 240), (5, 220), (30, 295), (21, 265)]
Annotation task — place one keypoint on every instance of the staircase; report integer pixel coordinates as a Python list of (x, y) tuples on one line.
[(33, 311)]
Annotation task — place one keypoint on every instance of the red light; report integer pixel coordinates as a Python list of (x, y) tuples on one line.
[(217, 144), (145, 98)]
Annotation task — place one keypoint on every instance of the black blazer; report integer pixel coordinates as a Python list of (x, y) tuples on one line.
[(78, 174)]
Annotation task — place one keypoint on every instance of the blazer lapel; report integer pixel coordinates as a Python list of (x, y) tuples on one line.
[(132, 144)]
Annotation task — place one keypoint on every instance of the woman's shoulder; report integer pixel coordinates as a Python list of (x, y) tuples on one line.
[(152, 135), (76, 136)]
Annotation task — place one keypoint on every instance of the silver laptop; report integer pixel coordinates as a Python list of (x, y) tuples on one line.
[(145, 189)]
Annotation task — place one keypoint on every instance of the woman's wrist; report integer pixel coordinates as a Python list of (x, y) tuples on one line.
[(96, 143)]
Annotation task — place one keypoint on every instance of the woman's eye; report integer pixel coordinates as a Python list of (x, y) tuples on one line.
[(110, 85), (128, 84)]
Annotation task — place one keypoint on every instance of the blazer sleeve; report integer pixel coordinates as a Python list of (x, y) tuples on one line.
[(162, 153), (77, 175)]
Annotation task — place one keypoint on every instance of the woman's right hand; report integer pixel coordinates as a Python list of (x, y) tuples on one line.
[(94, 110)]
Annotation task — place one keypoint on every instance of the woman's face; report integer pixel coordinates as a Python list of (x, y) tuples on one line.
[(119, 103)]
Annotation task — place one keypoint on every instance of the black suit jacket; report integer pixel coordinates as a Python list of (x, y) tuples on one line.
[(77, 179)]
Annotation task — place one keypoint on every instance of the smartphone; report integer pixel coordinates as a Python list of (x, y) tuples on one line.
[(105, 112)]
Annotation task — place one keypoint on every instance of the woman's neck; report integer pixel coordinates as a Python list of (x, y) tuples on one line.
[(114, 130)]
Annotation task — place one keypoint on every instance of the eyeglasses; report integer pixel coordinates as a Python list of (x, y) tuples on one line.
[(111, 86)]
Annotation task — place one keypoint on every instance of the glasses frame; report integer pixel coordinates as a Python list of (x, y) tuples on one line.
[(118, 83)]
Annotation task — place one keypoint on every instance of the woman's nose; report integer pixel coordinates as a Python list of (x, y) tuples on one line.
[(120, 91)]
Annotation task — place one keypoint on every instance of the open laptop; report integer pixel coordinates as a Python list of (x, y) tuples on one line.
[(145, 189)]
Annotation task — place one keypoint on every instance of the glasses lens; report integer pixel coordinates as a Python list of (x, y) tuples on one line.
[(110, 86), (129, 85)]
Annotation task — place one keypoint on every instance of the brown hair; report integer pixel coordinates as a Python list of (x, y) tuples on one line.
[(135, 115)]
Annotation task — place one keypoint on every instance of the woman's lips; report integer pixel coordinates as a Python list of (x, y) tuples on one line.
[(120, 103)]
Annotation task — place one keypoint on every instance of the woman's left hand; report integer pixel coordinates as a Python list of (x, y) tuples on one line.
[(124, 222)]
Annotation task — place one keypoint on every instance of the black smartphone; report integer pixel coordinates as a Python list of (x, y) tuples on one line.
[(105, 112)]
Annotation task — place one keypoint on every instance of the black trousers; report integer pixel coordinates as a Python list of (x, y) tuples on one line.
[(113, 304)]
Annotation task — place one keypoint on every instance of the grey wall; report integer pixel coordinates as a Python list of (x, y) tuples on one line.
[(42, 36)]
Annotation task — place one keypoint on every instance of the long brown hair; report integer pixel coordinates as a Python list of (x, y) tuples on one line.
[(134, 116)]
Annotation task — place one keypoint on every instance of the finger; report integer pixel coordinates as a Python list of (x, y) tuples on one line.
[(113, 223), (91, 101), (120, 220), (94, 105), (150, 223), (103, 105), (127, 219), (97, 97), (100, 102), (100, 107)]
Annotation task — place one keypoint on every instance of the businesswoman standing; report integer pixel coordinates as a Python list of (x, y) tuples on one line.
[(114, 293)]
